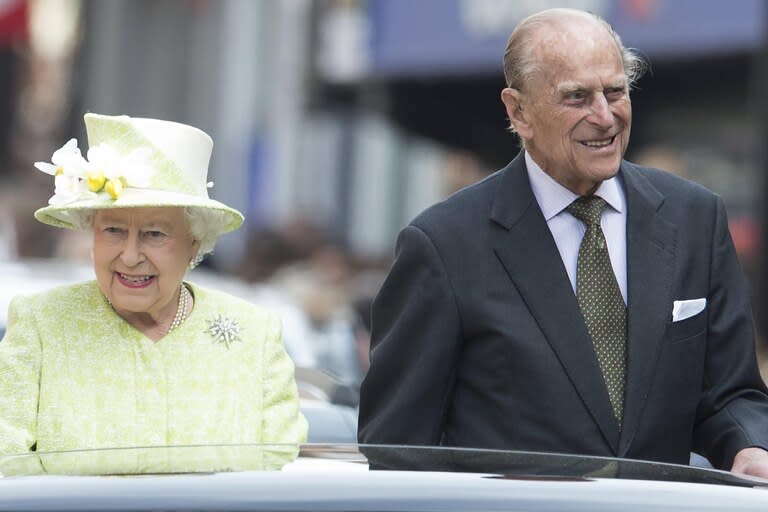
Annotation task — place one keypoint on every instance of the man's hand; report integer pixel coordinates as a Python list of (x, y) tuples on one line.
[(751, 461)]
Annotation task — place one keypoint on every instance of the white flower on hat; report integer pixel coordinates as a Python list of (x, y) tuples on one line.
[(104, 170), (69, 189), (66, 160), (67, 166), (111, 172)]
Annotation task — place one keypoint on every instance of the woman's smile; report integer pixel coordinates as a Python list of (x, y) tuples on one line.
[(134, 281)]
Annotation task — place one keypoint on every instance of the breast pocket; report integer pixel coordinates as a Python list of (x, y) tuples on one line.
[(687, 329)]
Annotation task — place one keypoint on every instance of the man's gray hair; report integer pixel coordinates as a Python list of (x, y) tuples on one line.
[(520, 64)]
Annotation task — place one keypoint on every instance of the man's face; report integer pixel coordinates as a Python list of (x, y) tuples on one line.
[(576, 109)]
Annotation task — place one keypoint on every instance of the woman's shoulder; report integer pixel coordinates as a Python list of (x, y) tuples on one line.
[(64, 294), (57, 307)]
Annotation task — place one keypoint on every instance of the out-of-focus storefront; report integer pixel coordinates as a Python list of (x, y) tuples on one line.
[(432, 68), (354, 115)]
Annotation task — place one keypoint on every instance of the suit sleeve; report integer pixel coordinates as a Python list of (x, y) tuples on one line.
[(20, 355), (415, 342), (733, 413)]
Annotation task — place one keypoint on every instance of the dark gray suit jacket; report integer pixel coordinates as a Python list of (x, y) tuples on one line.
[(478, 339)]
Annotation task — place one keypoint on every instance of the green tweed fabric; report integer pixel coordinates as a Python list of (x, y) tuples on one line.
[(600, 300), (74, 375)]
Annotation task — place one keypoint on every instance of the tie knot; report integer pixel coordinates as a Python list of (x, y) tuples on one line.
[(588, 209)]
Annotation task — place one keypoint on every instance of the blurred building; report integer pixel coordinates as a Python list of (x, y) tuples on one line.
[(431, 70), (354, 115)]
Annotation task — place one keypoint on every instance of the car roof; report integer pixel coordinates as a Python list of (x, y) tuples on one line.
[(338, 477), (246, 457)]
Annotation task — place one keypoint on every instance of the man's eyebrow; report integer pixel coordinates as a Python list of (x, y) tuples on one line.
[(570, 86), (573, 86), (618, 83)]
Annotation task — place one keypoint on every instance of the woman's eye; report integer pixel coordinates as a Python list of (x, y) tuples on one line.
[(155, 234), (113, 230)]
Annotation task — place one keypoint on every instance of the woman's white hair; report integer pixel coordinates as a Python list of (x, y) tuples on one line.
[(203, 224)]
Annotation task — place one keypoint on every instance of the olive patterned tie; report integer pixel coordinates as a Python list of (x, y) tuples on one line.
[(600, 300)]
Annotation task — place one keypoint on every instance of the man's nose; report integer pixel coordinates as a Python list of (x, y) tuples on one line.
[(600, 114)]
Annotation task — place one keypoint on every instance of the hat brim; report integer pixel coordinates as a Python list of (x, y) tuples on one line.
[(61, 216)]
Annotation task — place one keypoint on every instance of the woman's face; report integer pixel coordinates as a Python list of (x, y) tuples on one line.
[(140, 256)]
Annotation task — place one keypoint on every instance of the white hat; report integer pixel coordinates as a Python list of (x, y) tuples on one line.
[(132, 163)]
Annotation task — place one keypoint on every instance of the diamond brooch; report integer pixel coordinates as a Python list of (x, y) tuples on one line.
[(224, 330)]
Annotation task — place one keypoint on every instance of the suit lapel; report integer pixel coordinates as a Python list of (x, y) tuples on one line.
[(650, 267), (528, 252)]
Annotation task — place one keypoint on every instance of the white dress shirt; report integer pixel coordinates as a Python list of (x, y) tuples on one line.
[(567, 230)]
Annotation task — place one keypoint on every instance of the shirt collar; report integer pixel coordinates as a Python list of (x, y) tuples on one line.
[(553, 198)]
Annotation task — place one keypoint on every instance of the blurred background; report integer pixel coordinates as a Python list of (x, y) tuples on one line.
[(336, 121)]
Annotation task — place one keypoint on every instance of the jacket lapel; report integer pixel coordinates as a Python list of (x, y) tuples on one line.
[(529, 254), (650, 267)]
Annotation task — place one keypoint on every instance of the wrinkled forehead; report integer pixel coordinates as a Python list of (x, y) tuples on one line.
[(568, 52), (566, 29), (169, 215)]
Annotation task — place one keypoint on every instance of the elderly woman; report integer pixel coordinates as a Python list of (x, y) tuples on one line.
[(140, 357)]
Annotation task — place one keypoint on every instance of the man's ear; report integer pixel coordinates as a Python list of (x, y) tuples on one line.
[(512, 99)]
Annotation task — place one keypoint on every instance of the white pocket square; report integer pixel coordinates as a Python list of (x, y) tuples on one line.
[(682, 309)]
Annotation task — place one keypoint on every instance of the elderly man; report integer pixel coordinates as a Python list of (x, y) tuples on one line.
[(573, 301)]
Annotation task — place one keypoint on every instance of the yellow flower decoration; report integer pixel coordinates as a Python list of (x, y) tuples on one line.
[(95, 180), (104, 171), (114, 188)]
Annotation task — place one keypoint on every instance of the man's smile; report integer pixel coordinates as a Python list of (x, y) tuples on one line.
[(598, 143)]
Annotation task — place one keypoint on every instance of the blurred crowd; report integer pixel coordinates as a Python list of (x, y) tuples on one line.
[(330, 285)]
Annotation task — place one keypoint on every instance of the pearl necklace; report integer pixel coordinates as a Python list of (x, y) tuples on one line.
[(183, 310)]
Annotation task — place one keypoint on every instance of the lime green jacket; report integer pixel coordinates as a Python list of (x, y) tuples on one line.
[(73, 374)]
